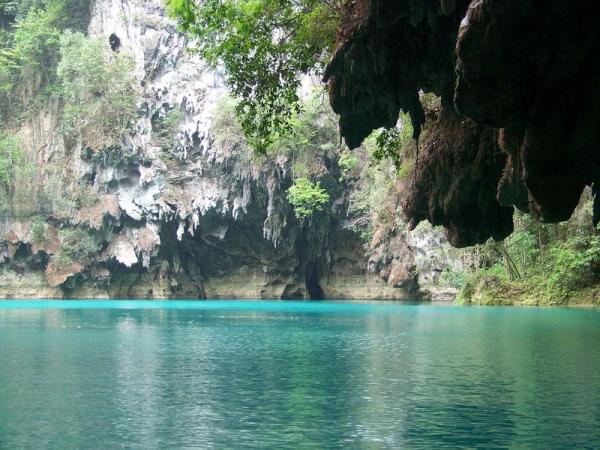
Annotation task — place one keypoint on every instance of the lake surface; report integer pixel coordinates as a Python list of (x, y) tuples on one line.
[(296, 375)]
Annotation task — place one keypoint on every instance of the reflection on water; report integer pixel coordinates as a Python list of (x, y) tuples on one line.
[(298, 375)]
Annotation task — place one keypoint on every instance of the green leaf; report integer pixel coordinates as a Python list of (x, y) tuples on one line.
[(306, 197)]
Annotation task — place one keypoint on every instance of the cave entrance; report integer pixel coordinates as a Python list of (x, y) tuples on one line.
[(312, 284), (22, 252), (114, 42)]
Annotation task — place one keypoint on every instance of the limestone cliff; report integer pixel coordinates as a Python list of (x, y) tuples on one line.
[(178, 217)]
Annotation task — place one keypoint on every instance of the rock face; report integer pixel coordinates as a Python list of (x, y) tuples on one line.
[(184, 218), (455, 182), (520, 77)]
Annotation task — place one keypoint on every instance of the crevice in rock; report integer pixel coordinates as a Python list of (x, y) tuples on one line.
[(313, 288)]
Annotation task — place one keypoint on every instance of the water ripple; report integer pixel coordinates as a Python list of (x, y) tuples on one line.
[(261, 375)]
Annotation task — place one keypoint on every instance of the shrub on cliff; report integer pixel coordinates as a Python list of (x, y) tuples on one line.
[(165, 128), (28, 56), (227, 133), (310, 144), (38, 229), (98, 88), (77, 245), (11, 161), (312, 139), (576, 264), (29, 50), (307, 197), (347, 162)]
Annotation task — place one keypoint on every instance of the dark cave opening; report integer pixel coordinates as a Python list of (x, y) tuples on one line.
[(114, 42), (22, 252), (312, 284)]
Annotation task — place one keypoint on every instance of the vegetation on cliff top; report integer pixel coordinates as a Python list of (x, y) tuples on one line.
[(29, 51), (45, 64), (264, 46)]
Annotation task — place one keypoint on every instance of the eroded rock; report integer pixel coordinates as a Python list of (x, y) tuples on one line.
[(177, 217), (524, 77), (123, 251), (456, 181), (57, 274)]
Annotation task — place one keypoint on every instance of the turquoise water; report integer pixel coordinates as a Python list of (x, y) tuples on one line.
[(297, 375)]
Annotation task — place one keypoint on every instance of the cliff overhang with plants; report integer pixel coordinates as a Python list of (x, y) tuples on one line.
[(124, 173), (519, 119)]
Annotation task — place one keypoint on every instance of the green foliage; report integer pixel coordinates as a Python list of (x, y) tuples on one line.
[(29, 50), (10, 155), (86, 196), (347, 162), (36, 38), (77, 245), (38, 230), (8, 66), (11, 159), (98, 88), (226, 130), (166, 128), (312, 136), (28, 55), (518, 252), (311, 140), (430, 101), (306, 197), (452, 278), (371, 200), (390, 143), (385, 160), (34, 41), (576, 264), (362, 209), (311, 146), (263, 46), (8, 10), (556, 261)]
